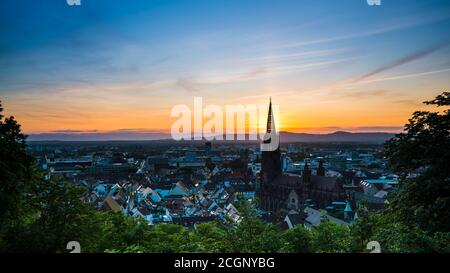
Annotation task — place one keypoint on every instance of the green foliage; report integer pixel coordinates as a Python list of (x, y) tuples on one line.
[(398, 238), (168, 238), (116, 231), (253, 236), (423, 148), (16, 169), (298, 240), (129, 249), (364, 228), (55, 215), (208, 237), (332, 238)]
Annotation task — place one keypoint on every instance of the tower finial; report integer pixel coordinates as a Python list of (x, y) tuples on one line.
[(270, 121)]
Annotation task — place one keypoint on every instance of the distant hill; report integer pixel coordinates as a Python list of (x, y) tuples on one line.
[(98, 136), (335, 137), (137, 136)]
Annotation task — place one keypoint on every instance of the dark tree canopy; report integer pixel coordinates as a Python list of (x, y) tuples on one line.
[(421, 156), (16, 167)]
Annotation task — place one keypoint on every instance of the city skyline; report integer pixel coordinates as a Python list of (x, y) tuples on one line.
[(110, 66)]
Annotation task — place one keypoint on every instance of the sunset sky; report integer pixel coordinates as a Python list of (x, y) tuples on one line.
[(111, 65)]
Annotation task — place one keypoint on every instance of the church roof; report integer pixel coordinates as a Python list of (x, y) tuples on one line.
[(287, 180), (324, 182), (295, 219), (318, 182)]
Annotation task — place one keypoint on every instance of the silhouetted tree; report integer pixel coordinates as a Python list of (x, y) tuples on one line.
[(16, 170), (421, 157)]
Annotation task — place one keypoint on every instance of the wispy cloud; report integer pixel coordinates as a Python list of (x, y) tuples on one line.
[(340, 88), (361, 94), (402, 23), (194, 83), (296, 55), (405, 76), (267, 95), (407, 59)]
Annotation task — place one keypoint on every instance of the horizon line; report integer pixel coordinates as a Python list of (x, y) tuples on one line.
[(92, 137)]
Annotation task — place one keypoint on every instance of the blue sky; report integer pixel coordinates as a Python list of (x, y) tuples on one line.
[(328, 64)]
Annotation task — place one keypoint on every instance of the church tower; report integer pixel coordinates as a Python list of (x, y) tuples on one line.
[(271, 160), (321, 169), (306, 174)]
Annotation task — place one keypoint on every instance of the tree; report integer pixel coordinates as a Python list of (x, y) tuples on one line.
[(298, 240), (363, 229), (252, 235), (420, 155), (396, 237), (120, 233), (16, 172), (56, 215), (16, 168), (330, 237), (37, 215), (208, 237), (168, 238)]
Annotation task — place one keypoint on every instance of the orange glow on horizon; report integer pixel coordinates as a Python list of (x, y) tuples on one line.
[(300, 114)]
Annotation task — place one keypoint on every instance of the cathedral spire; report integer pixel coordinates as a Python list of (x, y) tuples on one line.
[(270, 119)]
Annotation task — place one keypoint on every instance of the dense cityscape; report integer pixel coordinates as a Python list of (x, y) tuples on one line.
[(191, 183)]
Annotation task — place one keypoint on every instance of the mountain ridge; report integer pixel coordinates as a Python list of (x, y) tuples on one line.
[(285, 136)]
